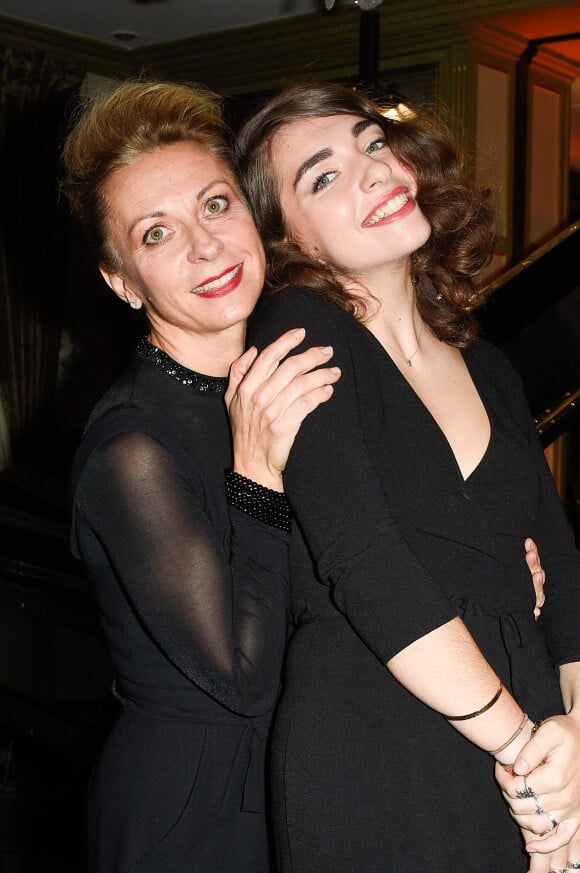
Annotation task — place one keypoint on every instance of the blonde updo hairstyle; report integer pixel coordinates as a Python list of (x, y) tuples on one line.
[(116, 129)]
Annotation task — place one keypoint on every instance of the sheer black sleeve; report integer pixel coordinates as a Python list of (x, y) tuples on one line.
[(354, 537), (220, 618)]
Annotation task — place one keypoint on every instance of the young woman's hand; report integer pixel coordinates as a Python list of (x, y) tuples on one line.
[(545, 785), (268, 397), (557, 859)]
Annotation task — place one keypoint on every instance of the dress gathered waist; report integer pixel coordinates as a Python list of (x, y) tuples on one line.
[(175, 704), (243, 740)]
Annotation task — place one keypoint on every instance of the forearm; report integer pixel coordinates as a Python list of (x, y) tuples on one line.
[(446, 670), (570, 687)]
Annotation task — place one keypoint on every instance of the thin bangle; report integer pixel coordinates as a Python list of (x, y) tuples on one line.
[(483, 709), (510, 767), (516, 734)]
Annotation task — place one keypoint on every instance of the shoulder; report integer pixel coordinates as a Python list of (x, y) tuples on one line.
[(296, 306), (495, 361), (293, 299), (119, 395), (504, 379)]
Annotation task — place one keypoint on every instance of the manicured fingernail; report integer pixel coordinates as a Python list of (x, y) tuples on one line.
[(326, 350), (334, 370), (299, 331)]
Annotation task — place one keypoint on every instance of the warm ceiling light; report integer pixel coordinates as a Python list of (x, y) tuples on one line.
[(400, 112)]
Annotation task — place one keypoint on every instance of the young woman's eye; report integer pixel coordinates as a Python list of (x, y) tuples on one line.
[(323, 180), (215, 205), (376, 145), (155, 235)]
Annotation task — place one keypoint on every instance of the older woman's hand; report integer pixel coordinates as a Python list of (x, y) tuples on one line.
[(268, 398), (545, 785), (538, 575)]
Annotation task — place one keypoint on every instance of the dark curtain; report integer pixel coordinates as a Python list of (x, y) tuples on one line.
[(35, 90)]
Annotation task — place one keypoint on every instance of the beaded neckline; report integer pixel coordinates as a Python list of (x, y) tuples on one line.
[(189, 378)]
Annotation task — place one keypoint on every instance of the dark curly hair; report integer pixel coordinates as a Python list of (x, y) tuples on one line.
[(460, 214)]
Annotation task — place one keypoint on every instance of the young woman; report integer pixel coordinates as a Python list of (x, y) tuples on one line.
[(412, 492), (189, 568)]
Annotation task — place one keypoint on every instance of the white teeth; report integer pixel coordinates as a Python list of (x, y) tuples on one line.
[(389, 208), (218, 283)]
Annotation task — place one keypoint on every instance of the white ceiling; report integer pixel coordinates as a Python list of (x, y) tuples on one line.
[(154, 21)]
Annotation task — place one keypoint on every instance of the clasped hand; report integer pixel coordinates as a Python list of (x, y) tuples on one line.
[(268, 397), (545, 787)]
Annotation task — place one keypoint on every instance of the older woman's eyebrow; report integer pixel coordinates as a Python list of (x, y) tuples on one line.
[(310, 162), (161, 213), (156, 213)]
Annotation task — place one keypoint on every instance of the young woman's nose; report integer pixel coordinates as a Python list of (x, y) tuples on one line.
[(374, 172), (204, 244)]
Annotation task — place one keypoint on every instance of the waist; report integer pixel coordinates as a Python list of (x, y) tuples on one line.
[(179, 704)]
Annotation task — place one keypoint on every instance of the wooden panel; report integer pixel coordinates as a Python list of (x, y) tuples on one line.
[(493, 156), (544, 208)]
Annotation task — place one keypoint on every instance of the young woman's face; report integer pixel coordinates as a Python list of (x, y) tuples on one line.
[(346, 199), (189, 247)]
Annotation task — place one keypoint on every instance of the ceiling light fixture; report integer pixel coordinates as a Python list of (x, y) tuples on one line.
[(365, 5), (125, 35)]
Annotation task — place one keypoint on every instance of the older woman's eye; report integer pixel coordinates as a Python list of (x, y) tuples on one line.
[(215, 205), (155, 235)]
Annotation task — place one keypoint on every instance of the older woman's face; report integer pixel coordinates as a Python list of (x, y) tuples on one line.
[(345, 197), (190, 251)]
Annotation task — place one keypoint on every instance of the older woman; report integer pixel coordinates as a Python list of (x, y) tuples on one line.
[(412, 491), (190, 570)]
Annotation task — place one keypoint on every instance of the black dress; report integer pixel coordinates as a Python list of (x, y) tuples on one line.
[(392, 543), (193, 600)]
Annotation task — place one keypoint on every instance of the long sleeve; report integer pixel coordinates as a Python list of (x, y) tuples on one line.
[(354, 537), (216, 609)]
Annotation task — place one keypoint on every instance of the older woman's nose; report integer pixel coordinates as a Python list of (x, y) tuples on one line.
[(204, 244)]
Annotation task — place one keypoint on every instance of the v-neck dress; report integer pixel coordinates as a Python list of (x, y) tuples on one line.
[(390, 542), (193, 598)]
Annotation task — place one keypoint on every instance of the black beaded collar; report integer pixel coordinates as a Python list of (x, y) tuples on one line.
[(189, 378)]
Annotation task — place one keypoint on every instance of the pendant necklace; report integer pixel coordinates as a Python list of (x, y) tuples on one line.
[(409, 360)]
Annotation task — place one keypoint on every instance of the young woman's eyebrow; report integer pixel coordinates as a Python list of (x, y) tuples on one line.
[(362, 125), (323, 154), (310, 162)]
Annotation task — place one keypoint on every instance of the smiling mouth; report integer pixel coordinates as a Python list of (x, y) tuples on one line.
[(391, 207), (222, 284)]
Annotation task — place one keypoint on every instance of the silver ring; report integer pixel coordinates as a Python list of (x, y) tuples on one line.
[(539, 810), (563, 870), (526, 792), (573, 865), (553, 828)]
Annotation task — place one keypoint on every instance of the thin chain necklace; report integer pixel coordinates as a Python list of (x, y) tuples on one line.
[(409, 360)]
